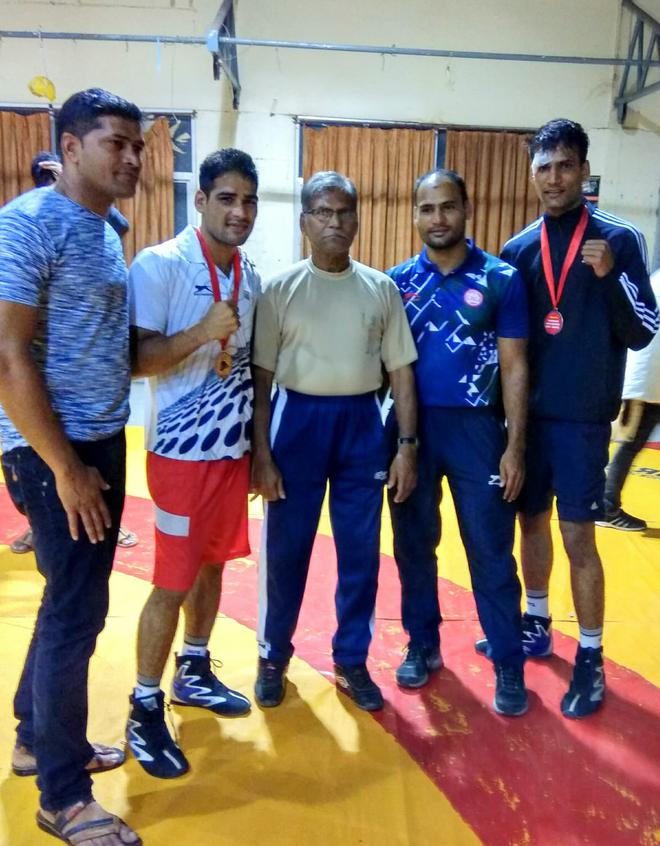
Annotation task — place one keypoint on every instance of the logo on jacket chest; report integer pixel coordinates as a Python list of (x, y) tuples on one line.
[(473, 298)]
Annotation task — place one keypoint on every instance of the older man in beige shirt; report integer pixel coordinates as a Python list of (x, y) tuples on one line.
[(325, 327)]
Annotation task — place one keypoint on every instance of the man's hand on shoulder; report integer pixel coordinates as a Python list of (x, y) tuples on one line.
[(80, 489), (598, 255), (266, 479), (403, 472)]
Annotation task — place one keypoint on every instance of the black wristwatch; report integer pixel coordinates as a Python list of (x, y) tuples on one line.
[(411, 440)]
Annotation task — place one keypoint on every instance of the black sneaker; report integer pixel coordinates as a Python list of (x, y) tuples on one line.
[(150, 741), (195, 684), (358, 684), (510, 694), (619, 519), (587, 690), (415, 667), (270, 685)]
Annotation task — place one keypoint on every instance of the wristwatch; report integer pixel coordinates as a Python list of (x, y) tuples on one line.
[(411, 440)]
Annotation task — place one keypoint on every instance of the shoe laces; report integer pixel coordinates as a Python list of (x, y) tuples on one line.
[(358, 676), (509, 676), (412, 652), (583, 673), (270, 671), (167, 707)]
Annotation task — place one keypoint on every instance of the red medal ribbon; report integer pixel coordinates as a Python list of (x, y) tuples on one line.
[(213, 273), (555, 290)]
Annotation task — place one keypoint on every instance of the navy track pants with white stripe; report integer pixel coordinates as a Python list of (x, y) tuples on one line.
[(318, 441)]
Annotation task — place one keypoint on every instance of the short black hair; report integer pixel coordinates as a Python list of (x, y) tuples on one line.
[(441, 174), (41, 177), (560, 133), (327, 180), (224, 161), (82, 112)]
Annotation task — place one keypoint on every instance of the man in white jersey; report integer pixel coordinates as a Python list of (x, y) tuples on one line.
[(192, 301)]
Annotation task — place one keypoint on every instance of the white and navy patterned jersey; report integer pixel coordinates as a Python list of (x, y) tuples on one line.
[(66, 262), (194, 415), (577, 374), (456, 320)]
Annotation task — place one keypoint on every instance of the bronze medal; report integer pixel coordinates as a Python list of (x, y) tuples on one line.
[(553, 322), (223, 364)]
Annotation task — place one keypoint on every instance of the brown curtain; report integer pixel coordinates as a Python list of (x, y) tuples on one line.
[(21, 138), (495, 166), (150, 212), (384, 164)]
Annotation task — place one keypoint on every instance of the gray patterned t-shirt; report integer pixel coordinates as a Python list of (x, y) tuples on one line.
[(67, 262)]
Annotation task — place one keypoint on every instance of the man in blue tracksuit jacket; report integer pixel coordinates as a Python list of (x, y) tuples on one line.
[(590, 298), (468, 314)]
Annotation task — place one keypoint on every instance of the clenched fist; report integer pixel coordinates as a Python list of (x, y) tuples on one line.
[(220, 321)]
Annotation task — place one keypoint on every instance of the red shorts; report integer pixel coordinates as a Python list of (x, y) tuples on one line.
[(201, 515)]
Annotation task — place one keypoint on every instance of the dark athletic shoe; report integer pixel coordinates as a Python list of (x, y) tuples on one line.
[(416, 666), (195, 684), (510, 694), (270, 685), (358, 684), (150, 741), (619, 519), (587, 690), (536, 638)]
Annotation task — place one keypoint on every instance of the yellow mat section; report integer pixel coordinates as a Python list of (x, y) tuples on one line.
[(315, 771)]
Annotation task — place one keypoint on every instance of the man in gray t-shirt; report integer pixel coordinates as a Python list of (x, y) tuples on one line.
[(64, 380), (46, 168)]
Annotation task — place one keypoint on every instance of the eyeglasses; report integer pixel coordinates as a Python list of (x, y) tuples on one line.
[(325, 215)]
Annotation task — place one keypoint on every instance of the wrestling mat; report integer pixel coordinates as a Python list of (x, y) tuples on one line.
[(435, 768)]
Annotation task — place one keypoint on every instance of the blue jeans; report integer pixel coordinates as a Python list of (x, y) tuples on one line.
[(465, 445), (51, 701)]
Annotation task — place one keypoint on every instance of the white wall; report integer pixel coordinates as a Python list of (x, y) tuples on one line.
[(278, 84)]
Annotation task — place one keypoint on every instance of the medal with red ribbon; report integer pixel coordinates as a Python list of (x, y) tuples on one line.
[(553, 322), (224, 361)]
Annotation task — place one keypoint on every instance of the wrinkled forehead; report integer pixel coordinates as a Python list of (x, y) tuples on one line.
[(559, 154), (332, 199)]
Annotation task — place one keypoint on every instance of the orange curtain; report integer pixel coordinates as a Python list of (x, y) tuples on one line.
[(495, 166), (21, 138), (150, 212), (384, 164)]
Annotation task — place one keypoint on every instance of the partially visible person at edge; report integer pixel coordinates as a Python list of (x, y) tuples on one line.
[(64, 384), (590, 298), (192, 302), (45, 170), (639, 417), (468, 314), (324, 328)]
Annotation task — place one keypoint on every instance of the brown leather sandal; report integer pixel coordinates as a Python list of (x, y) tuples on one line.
[(105, 758), (68, 828)]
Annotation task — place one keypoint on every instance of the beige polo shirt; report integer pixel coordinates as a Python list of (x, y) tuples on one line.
[(326, 334)]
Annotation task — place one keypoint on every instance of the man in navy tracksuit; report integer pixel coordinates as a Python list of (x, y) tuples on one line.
[(468, 314), (590, 299)]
